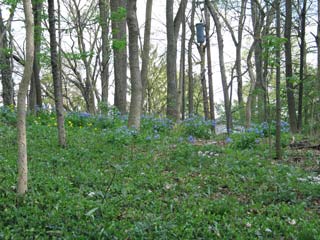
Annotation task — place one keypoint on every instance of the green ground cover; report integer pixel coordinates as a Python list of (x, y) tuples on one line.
[(164, 182)]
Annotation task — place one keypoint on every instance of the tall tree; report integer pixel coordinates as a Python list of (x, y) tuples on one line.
[(258, 16), (318, 56), (252, 86), (209, 64), (181, 82), (171, 64), (173, 26), (136, 85), (202, 52), (5, 66), (104, 22), (35, 98), (278, 77), (146, 50), (56, 75), (302, 60), (237, 39), (119, 31), (289, 71), (190, 63), (227, 103), (22, 183)]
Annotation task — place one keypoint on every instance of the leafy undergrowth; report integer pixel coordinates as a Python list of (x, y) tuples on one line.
[(115, 183)]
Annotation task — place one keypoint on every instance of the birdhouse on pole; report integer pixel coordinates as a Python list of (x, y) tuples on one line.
[(200, 32)]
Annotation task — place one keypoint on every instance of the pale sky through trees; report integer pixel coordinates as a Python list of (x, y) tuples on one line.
[(158, 39)]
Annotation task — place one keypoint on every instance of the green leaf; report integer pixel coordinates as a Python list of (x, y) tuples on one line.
[(92, 211)]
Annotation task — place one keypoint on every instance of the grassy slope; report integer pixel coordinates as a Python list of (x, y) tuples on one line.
[(158, 189)]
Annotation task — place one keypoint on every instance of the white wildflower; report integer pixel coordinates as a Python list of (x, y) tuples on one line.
[(248, 225), (91, 194), (292, 222)]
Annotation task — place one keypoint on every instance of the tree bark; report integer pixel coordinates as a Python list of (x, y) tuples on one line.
[(239, 57), (258, 21), (252, 86), (289, 72), (181, 85), (209, 64), (56, 75), (35, 98), (173, 26), (202, 53), (104, 23), (136, 86), (172, 111), (302, 62), (318, 56), (190, 63), (278, 77), (5, 67), (22, 183), (119, 31), (146, 50)]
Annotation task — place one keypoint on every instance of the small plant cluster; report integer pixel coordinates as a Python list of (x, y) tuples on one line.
[(156, 124), (8, 115), (198, 127), (253, 136)]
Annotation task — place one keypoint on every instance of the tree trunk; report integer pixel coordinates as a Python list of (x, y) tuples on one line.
[(5, 67), (318, 59), (209, 64), (317, 117), (289, 72), (202, 53), (227, 104), (104, 23), (171, 64), (56, 75), (257, 21), (136, 86), (181, 94), (173, 26), (278, 77), (146, 50), (190, 63), (22, 184), (302, 62), (252, 86), (239, 58), (35, 98), (119, 31)]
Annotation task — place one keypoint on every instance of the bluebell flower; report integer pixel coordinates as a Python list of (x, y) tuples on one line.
[(191, 139), (157, 136), (84, 114), (180, 140), (148, 138), (228, 140), (257, 141), (250, 130)]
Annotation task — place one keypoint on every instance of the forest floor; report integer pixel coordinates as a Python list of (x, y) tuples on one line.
[(120, 184)]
